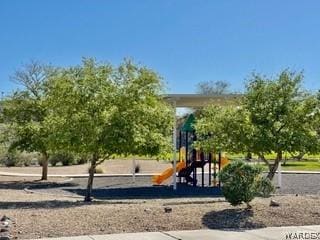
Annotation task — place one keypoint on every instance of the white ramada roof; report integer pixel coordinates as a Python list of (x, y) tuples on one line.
[(200, 100)]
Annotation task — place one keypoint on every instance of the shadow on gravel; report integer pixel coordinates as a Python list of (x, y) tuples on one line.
[(231, 219), (149, 192), (56, 204), (37, 184)]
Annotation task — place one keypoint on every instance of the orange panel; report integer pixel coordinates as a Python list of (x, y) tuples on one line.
[(158, 179)]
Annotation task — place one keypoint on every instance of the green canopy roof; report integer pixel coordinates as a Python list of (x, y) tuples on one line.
[(188, 124)]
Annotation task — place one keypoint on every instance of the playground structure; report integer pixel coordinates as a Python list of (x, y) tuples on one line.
[(191, 159)]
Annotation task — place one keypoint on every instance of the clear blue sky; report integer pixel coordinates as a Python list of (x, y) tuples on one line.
[(184, 41)]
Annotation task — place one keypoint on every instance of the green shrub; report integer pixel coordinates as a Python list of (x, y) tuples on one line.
[(26, 159), (81, 159), (241, 182), (40, 161), (265, 187), (66, 159), (3, 155), (54, 159), (18, 159), (98, 170), (9, 160)]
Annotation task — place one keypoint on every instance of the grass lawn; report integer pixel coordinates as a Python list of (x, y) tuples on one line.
[(299, 166), (309, 163)]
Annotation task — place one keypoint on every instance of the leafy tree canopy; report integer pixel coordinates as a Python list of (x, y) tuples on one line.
[(276, 115), (282, 114), (213, 87), (96, 108), (102, 110), (24, 112)]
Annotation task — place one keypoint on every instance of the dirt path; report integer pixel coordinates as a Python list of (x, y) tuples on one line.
[(115, 166)]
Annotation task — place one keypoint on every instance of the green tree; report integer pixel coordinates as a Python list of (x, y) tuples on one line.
[(100, 110), (24, 112), (213, 87), (282, 115), (276, 115), (224, 129)]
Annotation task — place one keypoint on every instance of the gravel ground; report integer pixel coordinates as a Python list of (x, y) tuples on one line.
[(123, 187), (54, 215), (299, 184), (66, 217)]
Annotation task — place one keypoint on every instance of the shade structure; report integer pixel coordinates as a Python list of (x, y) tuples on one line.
[(195, 101), (200, 100), (188, 126)]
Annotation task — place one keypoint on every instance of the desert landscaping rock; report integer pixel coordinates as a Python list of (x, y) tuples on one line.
[(147, 210), (273, 203), (5, 238), (5, 225), (167, 209), (43, 215)]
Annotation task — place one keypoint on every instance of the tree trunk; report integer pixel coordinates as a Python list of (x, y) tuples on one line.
[(45, 166), (91, 176), (248, 156), (274, 167), (262, 158), (300, 156)]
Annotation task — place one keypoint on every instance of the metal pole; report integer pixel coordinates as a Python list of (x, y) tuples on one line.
[(219, 168), (210, 159), (180, 154), (133, 170), (174, 148), (279, 176), (187, 149), (180, 145)]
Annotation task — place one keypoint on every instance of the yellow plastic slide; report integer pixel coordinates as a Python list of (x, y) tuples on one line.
[(158, 179), (224, 162)]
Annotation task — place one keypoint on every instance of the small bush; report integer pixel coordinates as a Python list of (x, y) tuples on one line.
[(40, 161), (10, 160), (82, 159), (265, 187), (26, 159), (66, 159), (241, 182), (137, 168), (97, 170), (54, 159), (19, 159)]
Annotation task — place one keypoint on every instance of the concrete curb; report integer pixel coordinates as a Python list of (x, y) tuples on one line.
[(8, 174), (32, 191), (269, 233), (297, 172)]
